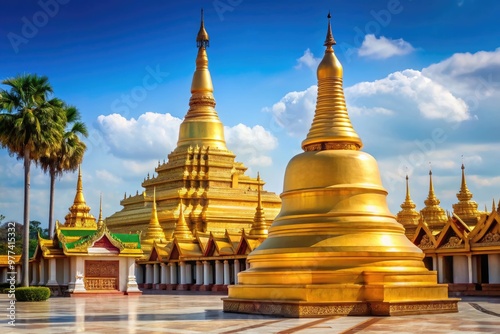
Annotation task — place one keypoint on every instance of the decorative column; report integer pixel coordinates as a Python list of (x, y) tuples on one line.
[(199, 273), (189, 273), (434, 262), (80, 272), (469, 266), (132, 287), (494, 268), (42, 272), (167, 273), (72, 274), (206, 273), (149, 276), (219, 273), (227, 273), (52, 273), (139, 274), (163, 274), (34, 273), (440, 269), (236, 270), (65, 271), (156, 275), (182, 269), (173, 272)]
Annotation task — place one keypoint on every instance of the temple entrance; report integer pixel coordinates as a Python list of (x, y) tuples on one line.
[(101, 275)]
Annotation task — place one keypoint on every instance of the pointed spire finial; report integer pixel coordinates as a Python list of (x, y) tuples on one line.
[(202, 39), (100, 221), (329, 41)]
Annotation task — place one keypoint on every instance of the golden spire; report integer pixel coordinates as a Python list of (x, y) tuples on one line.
[(202, 37), (79, 199), (100, 221), (259, 227), (408, 216), (201, 125), (493, 206), (79, 215), (182, 231), (154, 231), (432, 213), (466, 209), (331, 127)]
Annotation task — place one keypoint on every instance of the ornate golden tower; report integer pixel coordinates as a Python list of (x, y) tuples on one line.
[(154, 231), (466, 208), (334, 248), (260, 227), (433, 215), (201, 173), (408, 216), (79, 213)]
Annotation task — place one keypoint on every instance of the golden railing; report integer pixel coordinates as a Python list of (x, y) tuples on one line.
[(101, 283)]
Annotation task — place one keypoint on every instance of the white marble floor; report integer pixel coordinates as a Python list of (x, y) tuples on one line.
[(188, 312)]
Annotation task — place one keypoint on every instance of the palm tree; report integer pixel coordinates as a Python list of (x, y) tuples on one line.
[(30, 126), (68, 157)]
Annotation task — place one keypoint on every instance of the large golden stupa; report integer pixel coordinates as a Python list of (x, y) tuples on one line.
[(201, 180), (335, 249)]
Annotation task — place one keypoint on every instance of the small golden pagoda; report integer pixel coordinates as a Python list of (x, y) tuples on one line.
[(79, 213), (466, 208), (201, 175), (408, 216), (432, 214), (334, 248)]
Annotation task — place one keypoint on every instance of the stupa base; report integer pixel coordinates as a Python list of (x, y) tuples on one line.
[(322, 300), (299, 309)]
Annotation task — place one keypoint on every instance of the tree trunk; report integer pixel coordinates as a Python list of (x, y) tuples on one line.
[(26, 221), (51, 205)]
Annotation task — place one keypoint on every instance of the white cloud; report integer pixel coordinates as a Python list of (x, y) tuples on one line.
[(251, 145), (294, 112), (151, 136), (407, 88), (382, 47), (107, 176), (470, 75), (370, 111), (308, 60)]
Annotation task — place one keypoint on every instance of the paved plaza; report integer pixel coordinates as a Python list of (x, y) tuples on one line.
[(187, 312)]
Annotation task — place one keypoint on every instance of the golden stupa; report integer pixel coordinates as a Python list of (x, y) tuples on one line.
[(79, 213), (334, 248), (433, 214), (466, 208), (201, 181), (408, 216)]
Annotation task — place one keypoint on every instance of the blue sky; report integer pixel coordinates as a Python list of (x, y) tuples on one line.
[(422, 83)]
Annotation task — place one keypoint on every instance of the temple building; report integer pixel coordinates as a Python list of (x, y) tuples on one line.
[(201, 214), (335, 248), (464, 247), (201, 179), (84, 257)]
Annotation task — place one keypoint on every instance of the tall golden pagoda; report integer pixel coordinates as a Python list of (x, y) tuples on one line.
[(408, 216), (79, 213), (466, 208), (334, 248), (201, 175), (432, 214)]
